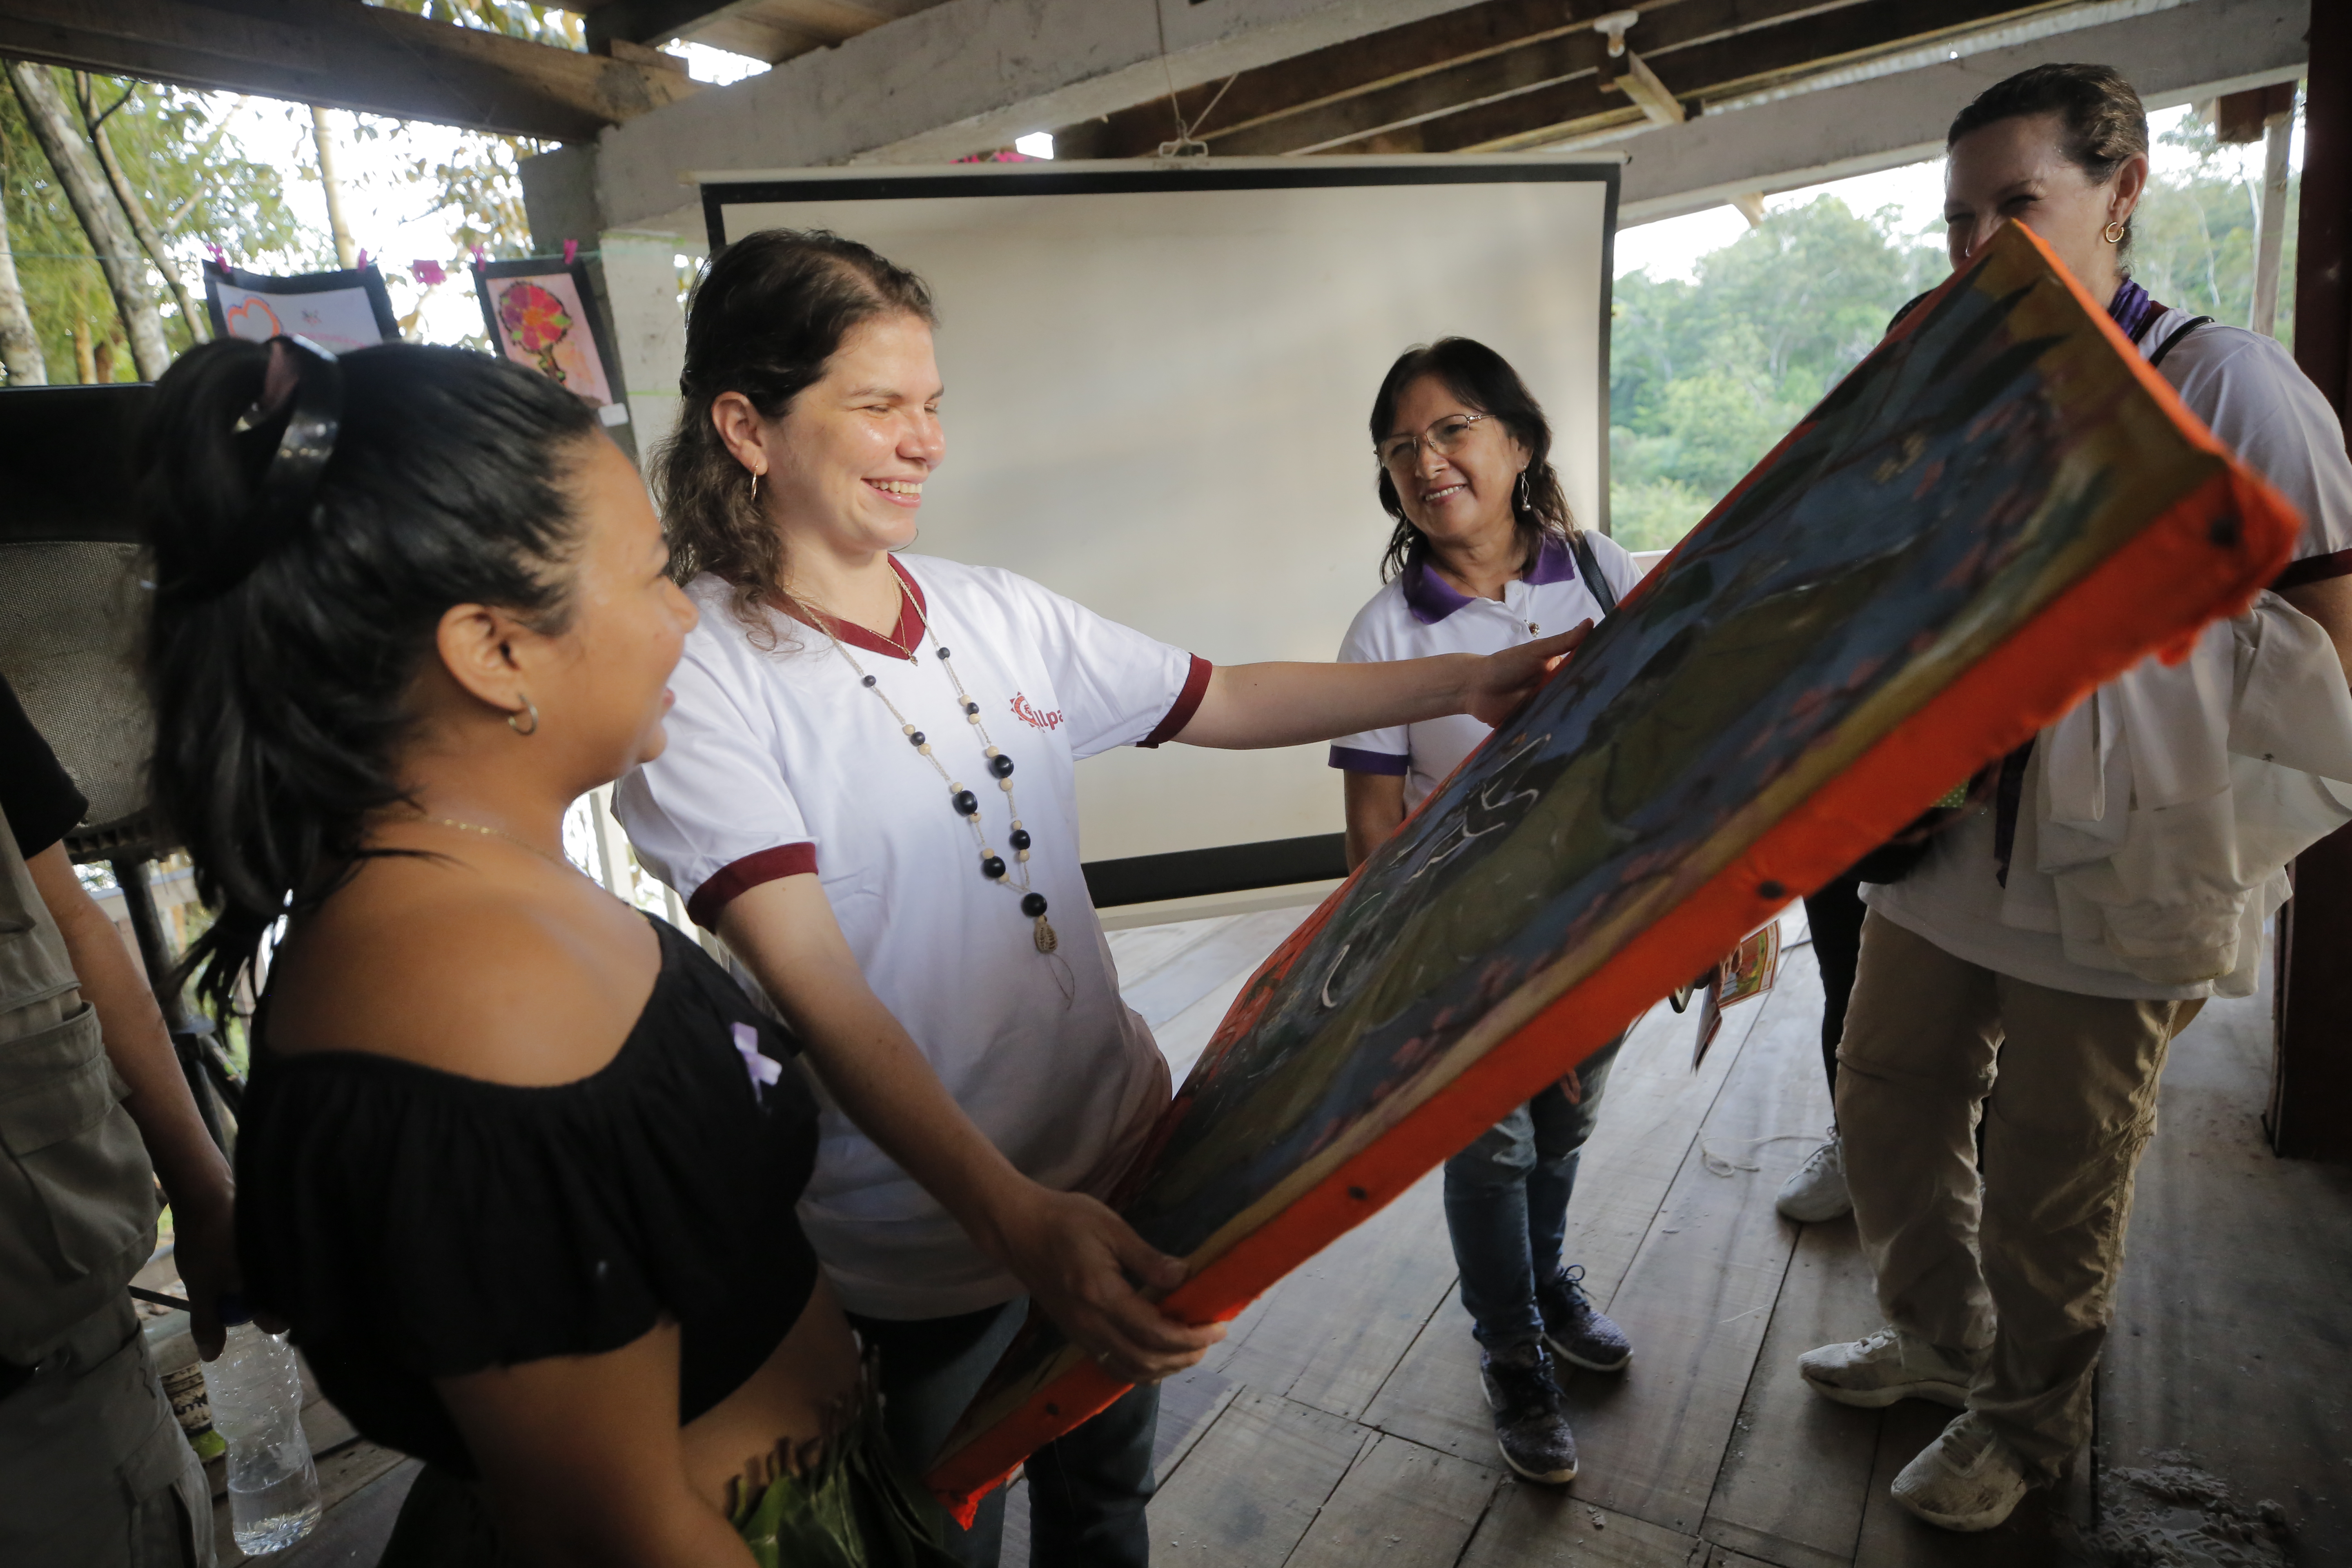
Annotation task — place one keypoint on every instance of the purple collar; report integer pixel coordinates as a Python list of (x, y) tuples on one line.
[(2132, 310), (1432, 598)]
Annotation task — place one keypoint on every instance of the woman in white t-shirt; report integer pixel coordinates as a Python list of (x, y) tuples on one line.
[(869, 794), (1485, 557), (2017, 992)]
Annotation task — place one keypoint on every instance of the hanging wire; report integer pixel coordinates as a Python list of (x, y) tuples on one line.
[(1186, 145)]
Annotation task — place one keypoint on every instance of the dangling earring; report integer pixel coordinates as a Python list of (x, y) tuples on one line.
[(1520, 495), (755, 490), (529, 708), (2113, 232)]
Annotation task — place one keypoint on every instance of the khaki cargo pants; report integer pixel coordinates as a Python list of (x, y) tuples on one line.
[(93, 1467), (2025, 1261), (94, 1472)]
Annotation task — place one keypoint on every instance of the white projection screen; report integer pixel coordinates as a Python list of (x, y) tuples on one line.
[(1159, 380)]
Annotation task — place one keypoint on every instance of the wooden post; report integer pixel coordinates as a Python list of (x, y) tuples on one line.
[(2310, 1111), (2278, 131)]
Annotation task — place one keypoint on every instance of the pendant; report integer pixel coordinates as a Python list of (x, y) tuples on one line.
[(1046, 941)]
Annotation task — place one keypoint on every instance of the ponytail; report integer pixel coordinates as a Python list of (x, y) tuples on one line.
[(298, 586)]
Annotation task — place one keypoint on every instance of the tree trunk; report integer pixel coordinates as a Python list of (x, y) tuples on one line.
[(199, 329), (344, 250), (20, 346), (101, 215)]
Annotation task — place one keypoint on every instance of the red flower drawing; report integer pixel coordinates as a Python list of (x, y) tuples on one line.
[(535, 321)]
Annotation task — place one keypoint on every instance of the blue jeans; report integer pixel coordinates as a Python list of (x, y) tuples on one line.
[(1087, 1489), (1507, 1202)]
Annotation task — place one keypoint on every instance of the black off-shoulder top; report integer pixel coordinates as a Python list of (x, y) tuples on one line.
[(413, 1223)]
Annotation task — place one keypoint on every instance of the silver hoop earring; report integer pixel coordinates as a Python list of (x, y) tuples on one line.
[(531, 708)]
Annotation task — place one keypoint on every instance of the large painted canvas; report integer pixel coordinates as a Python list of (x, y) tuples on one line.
[(1999, 509)]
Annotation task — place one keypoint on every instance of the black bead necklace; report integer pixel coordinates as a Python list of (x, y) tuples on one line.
[(965, 803)]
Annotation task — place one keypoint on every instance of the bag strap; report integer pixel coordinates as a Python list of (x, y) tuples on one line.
[(1590, 568), (2173, 341)]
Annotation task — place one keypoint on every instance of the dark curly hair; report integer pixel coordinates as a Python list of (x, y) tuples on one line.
[(1485, 380), (2105, 125), (767, 315), (282, 641)]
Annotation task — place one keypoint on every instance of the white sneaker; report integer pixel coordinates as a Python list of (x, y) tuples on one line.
[(1888, 1365), (1817, 1192), (1966, 1479)]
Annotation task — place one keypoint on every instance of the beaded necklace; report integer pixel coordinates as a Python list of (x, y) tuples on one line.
[(965, 804)]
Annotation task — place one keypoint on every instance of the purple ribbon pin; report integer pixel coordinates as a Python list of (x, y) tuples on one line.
[(764, 1071)]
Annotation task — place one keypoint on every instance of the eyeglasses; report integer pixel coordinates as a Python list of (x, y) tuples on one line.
[(1444, 437)]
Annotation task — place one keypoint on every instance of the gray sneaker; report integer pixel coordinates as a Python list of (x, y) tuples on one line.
[(1966, 1479), (1531, 1423), (1578, 1332), (1877, 1371), (1817, 1192)]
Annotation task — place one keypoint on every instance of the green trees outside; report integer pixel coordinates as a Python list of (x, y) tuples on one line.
[(2194, 241), (212, 169), (198, 184), (1705, 376)]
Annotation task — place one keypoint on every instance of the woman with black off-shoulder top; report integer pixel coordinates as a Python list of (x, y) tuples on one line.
[(518, 1165)]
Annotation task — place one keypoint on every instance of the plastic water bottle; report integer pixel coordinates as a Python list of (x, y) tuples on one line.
[(256, 1398)]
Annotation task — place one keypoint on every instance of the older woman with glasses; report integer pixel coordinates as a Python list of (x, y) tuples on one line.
[(1483, 558)]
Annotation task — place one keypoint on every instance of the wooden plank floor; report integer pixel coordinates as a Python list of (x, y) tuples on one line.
[(2225, 1404), (1340, 1422)]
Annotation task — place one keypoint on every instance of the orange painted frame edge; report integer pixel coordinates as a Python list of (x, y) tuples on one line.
[(2162, 588)]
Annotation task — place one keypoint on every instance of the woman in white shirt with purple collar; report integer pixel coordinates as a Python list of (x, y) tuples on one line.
[(1484, 558)]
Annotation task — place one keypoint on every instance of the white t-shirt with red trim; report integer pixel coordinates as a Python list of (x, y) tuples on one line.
[(779, 762)]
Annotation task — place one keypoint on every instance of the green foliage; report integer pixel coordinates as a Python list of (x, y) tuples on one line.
[(203, 184), (2193, 237), (1652, 514), (472, 177), (198, 184), (1705, 376)]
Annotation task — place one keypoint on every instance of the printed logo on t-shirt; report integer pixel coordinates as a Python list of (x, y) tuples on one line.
[(1030, 717)]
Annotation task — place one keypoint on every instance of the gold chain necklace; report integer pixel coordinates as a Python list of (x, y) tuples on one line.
[(500, 833), (965, 804)]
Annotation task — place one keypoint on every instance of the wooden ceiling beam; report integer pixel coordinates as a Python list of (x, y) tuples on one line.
[(345, 55), (771, 30), (1514, 69), (648, 21), (1500, 77), (1324, 76), (1716, 69)]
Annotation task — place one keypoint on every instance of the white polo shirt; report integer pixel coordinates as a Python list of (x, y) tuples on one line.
[(2260, 405), (779, 762), (1419, 613)]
